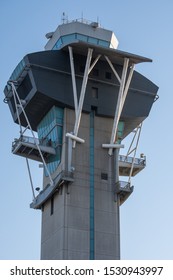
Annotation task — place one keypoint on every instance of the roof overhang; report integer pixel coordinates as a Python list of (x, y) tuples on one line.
[(116, 56)]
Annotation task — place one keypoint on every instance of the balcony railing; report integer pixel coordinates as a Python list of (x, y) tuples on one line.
[(130, 165), (46, 193), (123, 190), (137, 161), (30, 147)]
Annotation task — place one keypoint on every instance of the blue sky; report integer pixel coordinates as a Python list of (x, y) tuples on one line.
[(142, 27)]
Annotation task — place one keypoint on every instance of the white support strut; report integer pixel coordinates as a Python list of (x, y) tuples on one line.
[(82, 94), (75, 138), (29, 126), (79, 105), (73, 79), (30, 178), (127, 87), (112, 146), (94, 63), (113, 69), (119, 102), (123, 90), (124, 81), (137, 133)]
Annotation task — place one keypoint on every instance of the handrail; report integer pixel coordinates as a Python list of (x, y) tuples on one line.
[(46, 193), (33, 140), (65, 20), (127, 159), (123, 185)]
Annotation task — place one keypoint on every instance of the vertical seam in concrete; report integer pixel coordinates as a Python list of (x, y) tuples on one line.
[(92, 245)]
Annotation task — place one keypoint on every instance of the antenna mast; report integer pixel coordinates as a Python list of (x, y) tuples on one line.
[(64, 18)]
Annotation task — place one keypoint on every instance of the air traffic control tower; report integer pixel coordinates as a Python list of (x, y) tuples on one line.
[(75, 103)]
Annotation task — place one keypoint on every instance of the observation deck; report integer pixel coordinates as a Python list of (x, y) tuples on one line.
[(124, 190), (28, 147), (62, 177), (126, 162)]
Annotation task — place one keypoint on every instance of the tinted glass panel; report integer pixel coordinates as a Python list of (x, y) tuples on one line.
[(50, 132), (81, 37), (92, 40)]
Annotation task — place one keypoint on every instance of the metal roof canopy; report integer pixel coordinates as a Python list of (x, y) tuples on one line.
[(116, 56)]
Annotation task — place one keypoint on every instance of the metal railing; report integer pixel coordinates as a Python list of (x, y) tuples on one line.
[(25, 139), (82, 20), (137, 161), (32, 140), (124, 186)]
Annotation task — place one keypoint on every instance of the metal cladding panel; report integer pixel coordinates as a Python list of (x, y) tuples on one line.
[(142, 84), (54, 60), (54, 85), (137, 104), (47, 82)]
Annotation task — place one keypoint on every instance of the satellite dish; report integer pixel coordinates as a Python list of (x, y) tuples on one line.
[(49, 35)]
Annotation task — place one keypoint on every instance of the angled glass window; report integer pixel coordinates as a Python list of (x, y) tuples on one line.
[(58, 44), (103, 43), (67, 39), (93, 40), (81, 37), (18, 70), (120, 132), (50, 132)]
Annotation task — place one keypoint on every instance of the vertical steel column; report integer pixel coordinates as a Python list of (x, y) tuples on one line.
[(92, 227), (69, 159), (117, 200)]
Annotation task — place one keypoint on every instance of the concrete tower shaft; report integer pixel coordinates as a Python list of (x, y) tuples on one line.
[(81, 211)]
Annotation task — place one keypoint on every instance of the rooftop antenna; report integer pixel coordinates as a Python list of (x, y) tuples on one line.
[(64, 18), (99, 22), (82, 17)]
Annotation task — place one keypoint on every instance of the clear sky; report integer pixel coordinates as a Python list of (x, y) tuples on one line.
[(142, 27)]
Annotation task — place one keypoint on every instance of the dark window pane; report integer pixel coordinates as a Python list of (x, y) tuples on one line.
[(95, 92), (108, 75)]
